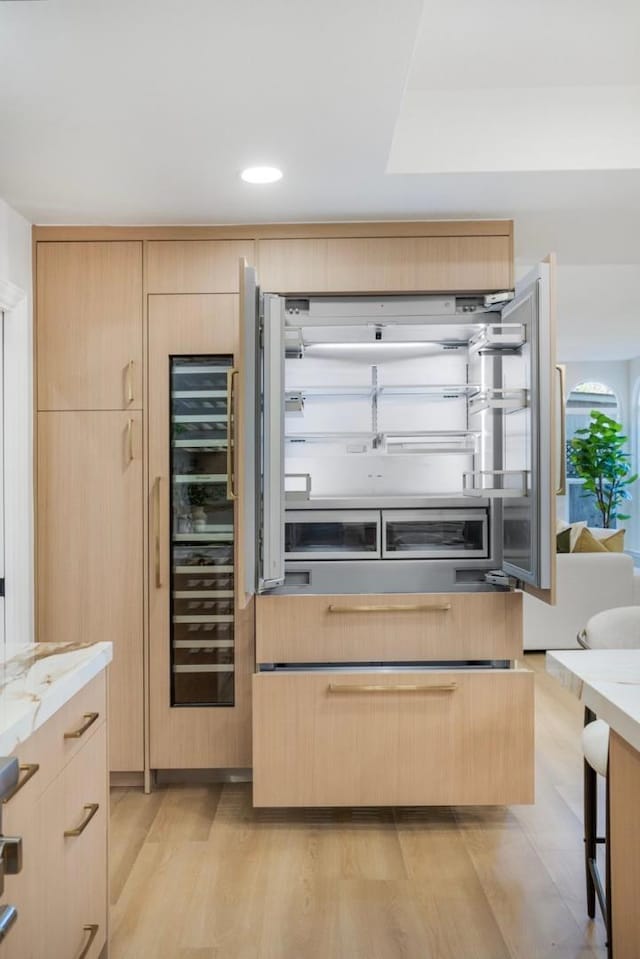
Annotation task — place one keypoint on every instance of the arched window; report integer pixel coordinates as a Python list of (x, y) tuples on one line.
[(581, 401)]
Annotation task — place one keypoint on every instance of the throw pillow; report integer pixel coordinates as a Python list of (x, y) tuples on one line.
[(615, 542), (563, 541), (587, 543)]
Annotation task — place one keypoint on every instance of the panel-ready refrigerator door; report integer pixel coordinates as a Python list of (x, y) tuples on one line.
[(530, 436), (260, 436)]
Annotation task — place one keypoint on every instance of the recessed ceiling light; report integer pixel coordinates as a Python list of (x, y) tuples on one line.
[(261, 174)]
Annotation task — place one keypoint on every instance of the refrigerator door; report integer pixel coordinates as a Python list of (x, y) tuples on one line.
[(271, 445), (260, 439), (247, 410), (529, 436)]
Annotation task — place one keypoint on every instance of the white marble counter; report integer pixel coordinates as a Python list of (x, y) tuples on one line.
[(35, 681), (607, 681)]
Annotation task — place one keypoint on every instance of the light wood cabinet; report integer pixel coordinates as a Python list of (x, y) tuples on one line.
[(195, 266), (198, 632), (427, 264), (90, 553), (89, 325), (392, 628), (395, 738), (60, 810)]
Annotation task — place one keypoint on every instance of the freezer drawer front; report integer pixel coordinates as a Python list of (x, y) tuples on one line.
[(393, 739), (388, 628), (434, 534), (332, 534)]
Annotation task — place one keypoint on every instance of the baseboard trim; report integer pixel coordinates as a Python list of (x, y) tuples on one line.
[(168, 777), (126, 780)]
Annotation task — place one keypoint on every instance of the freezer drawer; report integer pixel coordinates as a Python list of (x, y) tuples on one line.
[(332, 534), (388, 627), (435, 534), (392, 739)]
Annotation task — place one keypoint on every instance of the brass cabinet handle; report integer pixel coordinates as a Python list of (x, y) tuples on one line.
[(92, 929), (408, 608), (91, 809), (231, 438), (396, 688), (29, 770), (89, 720), (157, 490), (129, 382), (562, 461), (130, 456)]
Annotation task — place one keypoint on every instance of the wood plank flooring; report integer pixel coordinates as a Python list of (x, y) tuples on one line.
[(196, 873)]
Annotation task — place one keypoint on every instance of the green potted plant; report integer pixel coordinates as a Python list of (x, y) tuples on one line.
[(598, 455)]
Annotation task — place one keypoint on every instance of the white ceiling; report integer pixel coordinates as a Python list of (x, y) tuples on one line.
[(145, 111)]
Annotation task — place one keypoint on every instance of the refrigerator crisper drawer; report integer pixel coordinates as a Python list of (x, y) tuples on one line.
[(435, 534), (363, 738), (332, 534)]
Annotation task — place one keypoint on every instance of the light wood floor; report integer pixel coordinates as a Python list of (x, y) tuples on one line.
[(198, 874)]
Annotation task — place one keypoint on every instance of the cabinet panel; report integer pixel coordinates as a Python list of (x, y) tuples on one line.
[(89, 325), (90, 553), (21, 817), (391, 628), (386, 264), (200, 658), (195, 266), (404, 738)]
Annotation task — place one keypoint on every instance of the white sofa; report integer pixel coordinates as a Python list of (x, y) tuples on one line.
[(587, 583)]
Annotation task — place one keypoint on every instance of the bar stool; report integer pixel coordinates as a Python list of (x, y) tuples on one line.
[(617, 628)]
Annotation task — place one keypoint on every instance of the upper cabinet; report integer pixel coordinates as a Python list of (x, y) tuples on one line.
[(401, 264), (195, 266), (89, 325)]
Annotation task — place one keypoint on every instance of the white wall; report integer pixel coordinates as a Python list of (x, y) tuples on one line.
[(15, 266)]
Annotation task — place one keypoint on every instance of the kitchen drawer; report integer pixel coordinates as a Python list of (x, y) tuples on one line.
[(353, 738), (388, 628), (50, 750)]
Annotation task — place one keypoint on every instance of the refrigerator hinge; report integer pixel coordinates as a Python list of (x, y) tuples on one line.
[(498, 577)]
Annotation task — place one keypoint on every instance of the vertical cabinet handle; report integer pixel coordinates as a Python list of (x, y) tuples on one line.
[(130, 456), (561, 488), (92, 929), (231, 437), (129, 382), (157, 490)]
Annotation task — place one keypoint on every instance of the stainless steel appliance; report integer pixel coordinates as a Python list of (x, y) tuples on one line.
[(399, 443), (10, 846)]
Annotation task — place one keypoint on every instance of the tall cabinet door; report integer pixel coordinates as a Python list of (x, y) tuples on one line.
[(90, 553), (89, 329), (200, 635)]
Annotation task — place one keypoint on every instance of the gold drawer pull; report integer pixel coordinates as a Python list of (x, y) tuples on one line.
[(397, 688), (89, 720), (130, 453), (412, 608), (129, 378), (29, 770), (91, 809), (93, 932)]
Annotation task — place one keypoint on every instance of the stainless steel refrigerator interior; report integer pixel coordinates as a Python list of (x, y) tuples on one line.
[(398, 443)]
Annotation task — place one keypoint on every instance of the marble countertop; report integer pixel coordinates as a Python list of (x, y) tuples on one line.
[(607, 681), (37, 680)]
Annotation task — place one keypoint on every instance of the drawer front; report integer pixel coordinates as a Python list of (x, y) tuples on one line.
[(332, 534), (404, 738), (49, 750), (388, 628), (435, 534)]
